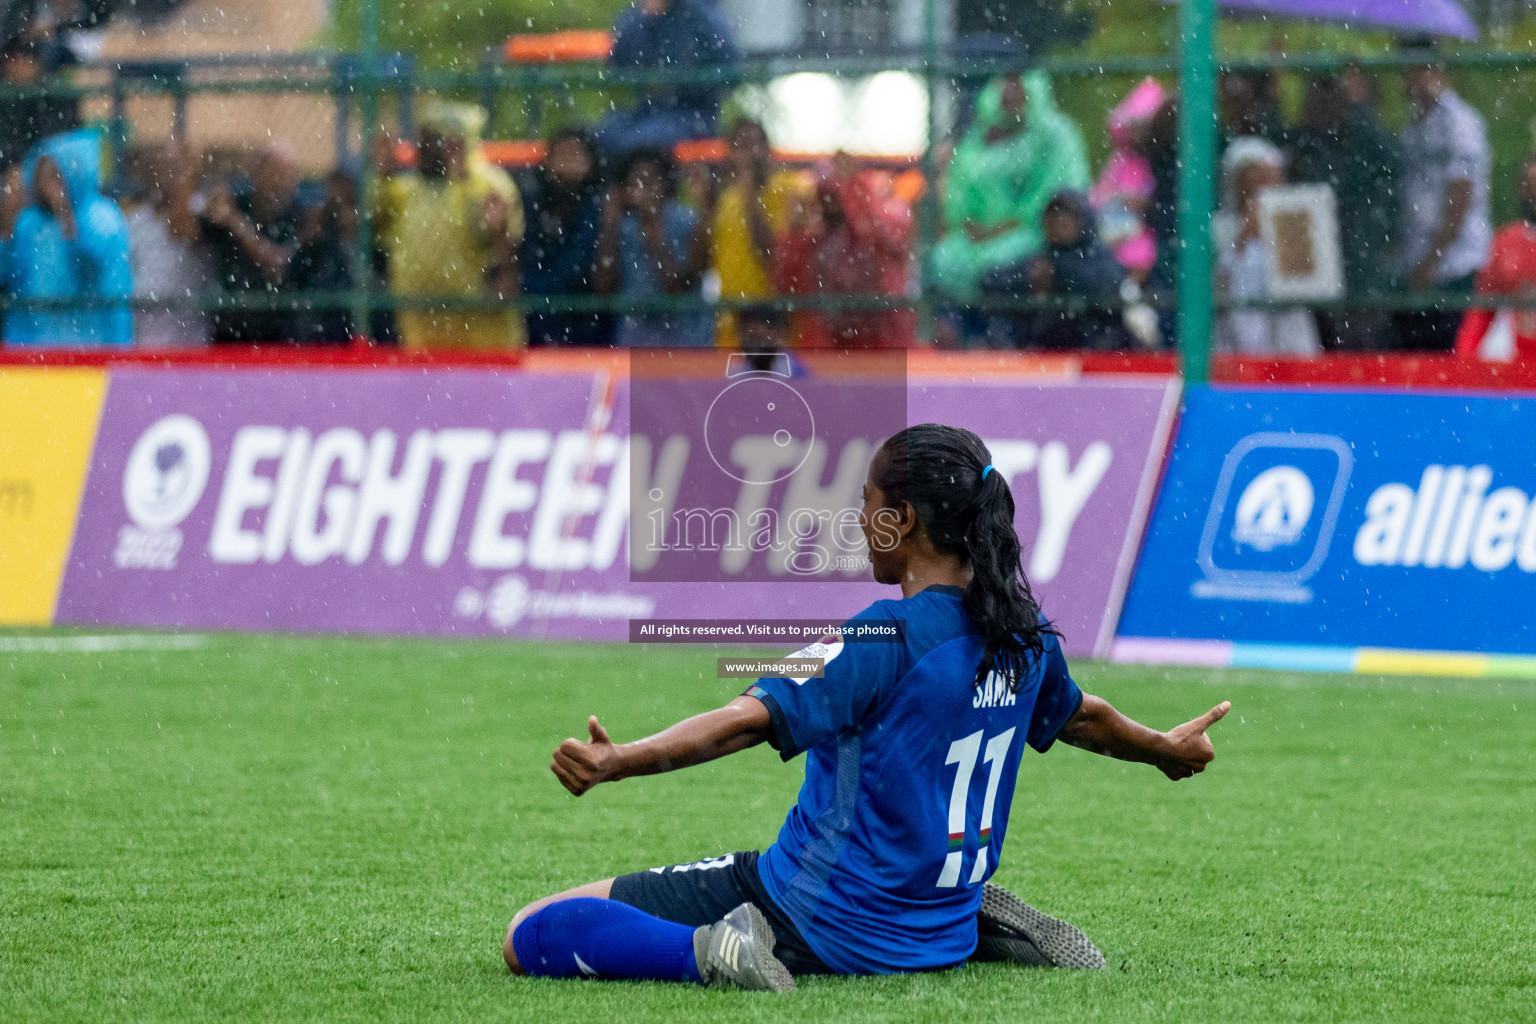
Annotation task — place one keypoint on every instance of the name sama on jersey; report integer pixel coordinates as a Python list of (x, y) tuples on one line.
[(994, 692)]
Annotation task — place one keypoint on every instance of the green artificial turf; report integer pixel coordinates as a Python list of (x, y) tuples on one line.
[(306, 829)]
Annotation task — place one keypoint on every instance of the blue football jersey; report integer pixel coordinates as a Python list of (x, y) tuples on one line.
[(909, 776)]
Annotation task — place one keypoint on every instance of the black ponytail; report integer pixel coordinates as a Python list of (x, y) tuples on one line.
[(967, 510)]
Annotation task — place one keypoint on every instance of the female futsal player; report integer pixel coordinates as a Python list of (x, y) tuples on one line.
[(912, 748)]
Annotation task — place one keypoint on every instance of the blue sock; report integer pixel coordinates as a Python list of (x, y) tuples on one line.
[(605, 939)]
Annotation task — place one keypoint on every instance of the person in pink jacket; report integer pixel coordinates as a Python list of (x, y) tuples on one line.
[(1124, 188)]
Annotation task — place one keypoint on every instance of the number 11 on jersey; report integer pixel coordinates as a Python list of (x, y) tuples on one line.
[(963, 752)]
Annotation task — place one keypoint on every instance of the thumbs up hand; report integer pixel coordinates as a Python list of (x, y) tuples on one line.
[(1188, 748), (580, 766)]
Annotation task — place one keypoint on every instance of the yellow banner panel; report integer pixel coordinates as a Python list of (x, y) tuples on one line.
[(48, 420)]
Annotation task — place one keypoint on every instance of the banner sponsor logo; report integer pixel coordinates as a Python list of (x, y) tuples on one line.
[(166, 472), (1344, 520), (511, 600), (1449, 520), (1265, 544), (163, 481), (1274, 509)]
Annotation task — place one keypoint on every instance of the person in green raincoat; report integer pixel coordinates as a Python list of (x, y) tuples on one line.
[(1020, 150)]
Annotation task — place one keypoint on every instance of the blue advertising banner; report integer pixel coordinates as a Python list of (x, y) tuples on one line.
[(1344, 520)]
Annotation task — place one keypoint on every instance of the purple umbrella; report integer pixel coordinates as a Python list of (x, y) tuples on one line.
[(1437, 17)]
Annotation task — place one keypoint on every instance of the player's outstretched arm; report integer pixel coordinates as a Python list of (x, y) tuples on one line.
[(740, 724), (1180, 752)]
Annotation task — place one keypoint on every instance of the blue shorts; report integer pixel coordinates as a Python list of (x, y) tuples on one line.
[(704, 891)]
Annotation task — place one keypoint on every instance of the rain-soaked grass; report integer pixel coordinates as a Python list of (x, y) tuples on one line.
[(305, 829)]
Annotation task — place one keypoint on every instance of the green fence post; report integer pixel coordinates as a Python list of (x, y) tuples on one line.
[(368, 116), (928, 210), (1197, 164)]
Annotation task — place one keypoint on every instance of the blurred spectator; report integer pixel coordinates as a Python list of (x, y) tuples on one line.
[(323, 263), (452, 230), (70, 244), (169, 262), (1073, 264), (1160, 145), (764, 332), (645, 250), (1341, 144), (14, 197), (1008, 30), (25, 120), (856, 241), (1446, 227), (252, 232), (561, 211), (1249, 166), (795, 252), (1511, 270), (675, 35), (1125, 188), (1248, 106), (1019, 151), (750, 215)]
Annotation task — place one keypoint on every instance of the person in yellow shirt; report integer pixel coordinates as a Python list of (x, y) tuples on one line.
[(451, 230), (751, 213)]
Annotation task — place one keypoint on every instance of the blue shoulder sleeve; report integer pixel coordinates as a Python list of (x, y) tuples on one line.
[(1058, 700), (858, 676)]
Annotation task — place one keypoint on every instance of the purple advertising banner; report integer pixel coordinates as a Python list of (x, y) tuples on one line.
[(486, 502)]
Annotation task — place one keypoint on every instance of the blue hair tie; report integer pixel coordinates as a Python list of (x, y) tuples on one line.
[(987, 469)]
